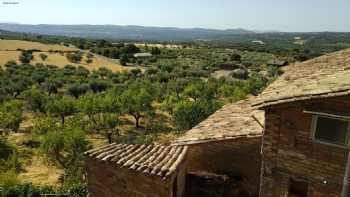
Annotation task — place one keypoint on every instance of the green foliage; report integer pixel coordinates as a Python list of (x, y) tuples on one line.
[(52, 146), (74, 57), (8, 179), (36, 99), (137, 100), (61, 107), (235, 57), (187, 114), (99, 85), (77, 90), (9, 160), (6, 150), (102, 110), (155, 51), (11, 115), (44, 124), (25, 57), (256, 83), (200, 90), (124, 59), (77, 190), (16, 189), (66, 148), (43, 56)]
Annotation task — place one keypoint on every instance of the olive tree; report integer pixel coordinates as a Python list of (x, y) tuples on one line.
[(61, 107)]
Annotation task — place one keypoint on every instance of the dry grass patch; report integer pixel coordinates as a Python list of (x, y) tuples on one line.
[(38, 172), (60, 60), (27, 45), (6, 56)]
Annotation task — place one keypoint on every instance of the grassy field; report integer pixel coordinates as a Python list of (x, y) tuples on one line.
[(8, 52), (26, 45)]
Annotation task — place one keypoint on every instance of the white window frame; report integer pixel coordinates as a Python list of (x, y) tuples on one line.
[(314, 127)]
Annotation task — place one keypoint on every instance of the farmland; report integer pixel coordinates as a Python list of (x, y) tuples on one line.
[(9, 51)]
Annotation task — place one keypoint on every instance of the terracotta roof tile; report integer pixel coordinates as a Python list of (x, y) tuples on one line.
[(325, 76), (231, 121), (154, 160)]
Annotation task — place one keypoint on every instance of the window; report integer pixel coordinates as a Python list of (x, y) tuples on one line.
[(298, 188), (331, 130)]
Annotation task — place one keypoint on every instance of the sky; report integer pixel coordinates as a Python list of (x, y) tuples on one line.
[(263, 15)]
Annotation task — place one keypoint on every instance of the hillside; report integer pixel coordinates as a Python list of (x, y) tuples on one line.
[(124, 32), (9, 51)]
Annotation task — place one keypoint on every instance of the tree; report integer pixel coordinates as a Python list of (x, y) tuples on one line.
[(61, 107), (52, 86), (74, 57), (43, 56), (67, 149), (235, 57), (199, 90), (82, 71), (39, 77), (99, 85), (256, 83), (77, 90), (155, 51), (36, 99), (170, 102), (115, 54), (130, 49), (187, 114), (137, 101), (124, 59), (25, 57), (10, 115)]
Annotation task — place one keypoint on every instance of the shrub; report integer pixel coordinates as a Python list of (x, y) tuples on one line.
[(99, 85), (26, 190), (6, 150), (74, 57), (76, 90), (25, 57), (43, 56), (8, 179), (11, 115)]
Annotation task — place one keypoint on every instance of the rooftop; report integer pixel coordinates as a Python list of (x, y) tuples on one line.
[(142, 55), (231, 121), (155, 160), (322, 77)]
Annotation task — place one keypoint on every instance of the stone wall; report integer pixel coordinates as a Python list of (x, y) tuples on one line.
[(290, 153), (235, 157), (105, 180)]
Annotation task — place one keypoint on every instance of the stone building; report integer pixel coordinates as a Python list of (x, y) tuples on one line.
[(306, 136), (122, 170), (227, 143)]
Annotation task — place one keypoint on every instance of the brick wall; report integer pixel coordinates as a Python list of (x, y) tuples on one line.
[(290, 153), (235, 157), (105, 180)]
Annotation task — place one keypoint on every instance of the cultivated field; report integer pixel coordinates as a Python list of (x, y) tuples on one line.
[(12, 45), (8, 52)]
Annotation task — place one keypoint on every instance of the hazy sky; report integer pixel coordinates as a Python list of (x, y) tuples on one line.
[(282, 15)]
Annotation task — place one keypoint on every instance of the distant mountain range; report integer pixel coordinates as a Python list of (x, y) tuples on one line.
[(125, 32)]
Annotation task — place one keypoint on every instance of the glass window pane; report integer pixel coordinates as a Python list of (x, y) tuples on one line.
[(331, 130)]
